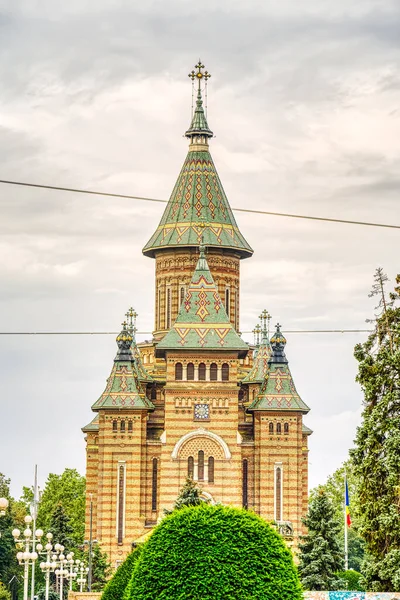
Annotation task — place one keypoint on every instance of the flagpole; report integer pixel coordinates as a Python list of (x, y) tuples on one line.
[(346, 549)]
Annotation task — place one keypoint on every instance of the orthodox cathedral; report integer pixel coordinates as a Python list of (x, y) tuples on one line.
[(197, 400)]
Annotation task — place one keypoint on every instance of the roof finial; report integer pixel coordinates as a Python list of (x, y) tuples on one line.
[(278, 343), (265, 319), (199, 125), (256, 332), (131, 318), (124, 341)]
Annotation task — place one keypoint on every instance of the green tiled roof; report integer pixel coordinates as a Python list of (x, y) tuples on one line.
[(259, 370), (199, 125), (306, 430), (92, 426), (198, 207), (278, 391), (202, 322), (123, 388)]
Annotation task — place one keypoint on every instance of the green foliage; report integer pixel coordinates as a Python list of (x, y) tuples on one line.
[(116, 586), (320, 553), (4, 593), (351, 580), (8, 561), (334, 489), (60, 527), (41, 594), (100, 567), (69, 490), (213, 552), (376, 455), (190, 495)]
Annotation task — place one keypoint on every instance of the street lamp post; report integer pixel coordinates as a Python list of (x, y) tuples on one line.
[(29, 556), (61, 571), (49, 565), (82, 571), (71, 575), (3, 506)]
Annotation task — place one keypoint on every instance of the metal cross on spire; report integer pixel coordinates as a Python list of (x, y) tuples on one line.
[(256, 332), (131, 317), (199, 73), (265, 319)]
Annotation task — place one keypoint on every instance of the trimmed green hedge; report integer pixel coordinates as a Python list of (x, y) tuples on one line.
[(214, 553), (115, 588)]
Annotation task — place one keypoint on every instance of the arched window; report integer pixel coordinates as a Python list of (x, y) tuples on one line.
[(202, 372), (190, 467), (225, 372), (182, 295), (200, 465), (115, 426), (210, 469), (286, 428), (168, 308), (271, 428), (245, 484), (227, 305), (153, 392), (122, 426), (154, 482), (278, 428), (190, 372), (159, 309), (213, 372), (178, 372), (278, 494), (130, 426)]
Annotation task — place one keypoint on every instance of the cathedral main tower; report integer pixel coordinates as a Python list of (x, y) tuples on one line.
[(198, 400)]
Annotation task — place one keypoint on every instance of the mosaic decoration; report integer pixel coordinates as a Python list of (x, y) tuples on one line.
[(123, 387), (278, 391), (202, 321), (198, 207)]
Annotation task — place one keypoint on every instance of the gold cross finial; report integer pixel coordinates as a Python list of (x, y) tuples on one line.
[(256, 332), (124, 324), (199, 73)]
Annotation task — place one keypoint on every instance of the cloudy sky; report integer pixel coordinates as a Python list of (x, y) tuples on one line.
[(304, 103)]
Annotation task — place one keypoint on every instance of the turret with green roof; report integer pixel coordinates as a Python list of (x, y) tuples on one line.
[(278, 392), (198, 207), (259, 370), (123, 390), (202, 322)]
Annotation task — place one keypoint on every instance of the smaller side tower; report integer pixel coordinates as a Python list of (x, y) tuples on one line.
[(280, 438), (115, 466)]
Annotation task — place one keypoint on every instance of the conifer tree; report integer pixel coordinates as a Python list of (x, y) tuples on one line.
[(320, 553), (376, 455), (60, 527), (190, 495)]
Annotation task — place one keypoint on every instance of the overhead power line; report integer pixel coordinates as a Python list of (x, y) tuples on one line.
[(150, 332), (237, 209)]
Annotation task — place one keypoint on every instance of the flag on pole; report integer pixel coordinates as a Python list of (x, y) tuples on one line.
[(347, 505)]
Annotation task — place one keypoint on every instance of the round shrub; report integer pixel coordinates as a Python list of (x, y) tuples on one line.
[(214, 553), (115, 588)]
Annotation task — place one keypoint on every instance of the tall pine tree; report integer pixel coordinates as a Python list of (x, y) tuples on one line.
[(320, 553), (376, 455), (60, 527)]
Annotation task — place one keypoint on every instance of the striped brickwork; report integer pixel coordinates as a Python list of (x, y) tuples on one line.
[(174, 270)]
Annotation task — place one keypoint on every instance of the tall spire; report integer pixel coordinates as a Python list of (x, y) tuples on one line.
[(140, 369), (198, 206)]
